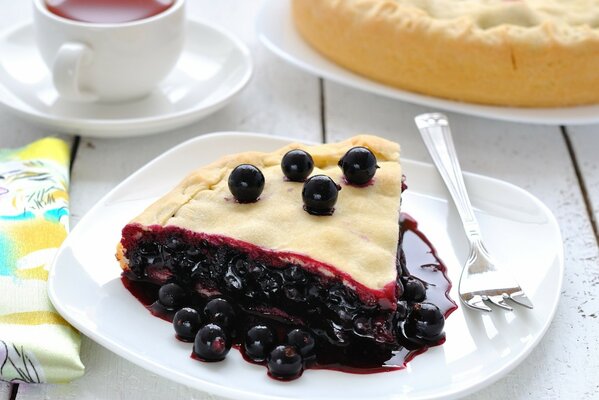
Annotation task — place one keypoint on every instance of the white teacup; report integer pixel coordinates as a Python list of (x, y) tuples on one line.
[(109, 62)]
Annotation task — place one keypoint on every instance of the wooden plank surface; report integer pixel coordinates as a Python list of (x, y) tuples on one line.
[(5, 389), (537, 159), (585, 145)]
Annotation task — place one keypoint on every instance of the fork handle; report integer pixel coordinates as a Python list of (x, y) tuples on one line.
[(436, 135)]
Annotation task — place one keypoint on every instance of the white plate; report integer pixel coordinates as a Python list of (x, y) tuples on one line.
[(213, 68), (85, 287), (276, 30)]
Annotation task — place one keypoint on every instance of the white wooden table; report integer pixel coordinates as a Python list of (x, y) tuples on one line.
[(559, 164)]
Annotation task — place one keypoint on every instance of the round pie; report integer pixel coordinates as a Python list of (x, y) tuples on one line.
[(528, 53)]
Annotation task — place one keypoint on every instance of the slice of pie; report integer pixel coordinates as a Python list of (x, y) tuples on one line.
[(336, 275)]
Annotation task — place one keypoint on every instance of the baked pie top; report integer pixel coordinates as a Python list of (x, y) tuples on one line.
[(358, 242), (489, 13), (538, 22)]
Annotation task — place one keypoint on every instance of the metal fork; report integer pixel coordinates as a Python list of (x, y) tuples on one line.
[(482, 281)]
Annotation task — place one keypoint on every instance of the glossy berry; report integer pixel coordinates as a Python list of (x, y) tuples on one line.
[(358, 165), (284, 362), (259, 341), (362, 326), (187, 323), (246, 183), (425, 321), (303, 341), (172, 296), (297, 165), (413, 290), (320, 195), (211, 343), (402, 310), (221, 312)]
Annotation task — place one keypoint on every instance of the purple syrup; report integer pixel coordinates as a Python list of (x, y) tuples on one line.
[(421, 262)]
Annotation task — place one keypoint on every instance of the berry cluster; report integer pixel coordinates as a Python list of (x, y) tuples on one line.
[(320, 192), (214, 329)]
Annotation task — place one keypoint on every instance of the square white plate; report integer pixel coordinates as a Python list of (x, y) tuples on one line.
[(521, 232)]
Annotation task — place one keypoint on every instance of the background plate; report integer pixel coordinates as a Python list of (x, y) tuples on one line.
[(85, 287), (276, 30)]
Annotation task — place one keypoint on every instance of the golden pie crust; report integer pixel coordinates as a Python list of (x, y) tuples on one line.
[(360, 239), (528, 53)]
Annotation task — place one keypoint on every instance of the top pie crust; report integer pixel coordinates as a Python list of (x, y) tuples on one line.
[(359, 240), (525, 13), (539, 53)]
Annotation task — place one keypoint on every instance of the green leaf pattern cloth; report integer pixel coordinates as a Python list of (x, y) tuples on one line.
[(36, 344)]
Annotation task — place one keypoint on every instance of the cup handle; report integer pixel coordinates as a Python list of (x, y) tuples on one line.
[(66, 71)]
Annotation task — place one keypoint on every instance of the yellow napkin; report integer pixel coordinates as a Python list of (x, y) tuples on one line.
[(36, 344)]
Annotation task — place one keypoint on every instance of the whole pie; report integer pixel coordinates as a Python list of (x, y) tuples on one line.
[(270, 260), (531, 53)]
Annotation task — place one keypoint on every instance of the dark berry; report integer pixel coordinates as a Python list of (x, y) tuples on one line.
[(295, 274), (320, 195), (362, 326), (358, 165), (148, 248), (174, 243), (193, 252), (271, 283), (256, 271), (425, 321), (294, 294), (172, 296), (399, 287), (187, 323), (284, 362), (413, 290), (297, 165), (211, 343), (302, 340), (246, 183), (221, 312), (402, 310), (259, 341)]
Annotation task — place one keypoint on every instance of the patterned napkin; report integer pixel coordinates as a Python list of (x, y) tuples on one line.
[(36, 344)]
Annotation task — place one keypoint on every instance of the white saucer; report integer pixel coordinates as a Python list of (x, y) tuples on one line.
[(214, 67), (276, 30)]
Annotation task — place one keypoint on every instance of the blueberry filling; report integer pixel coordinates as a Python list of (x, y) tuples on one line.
[(267, 308)]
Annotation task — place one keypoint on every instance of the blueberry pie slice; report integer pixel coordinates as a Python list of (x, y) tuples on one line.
[(301, 245)]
